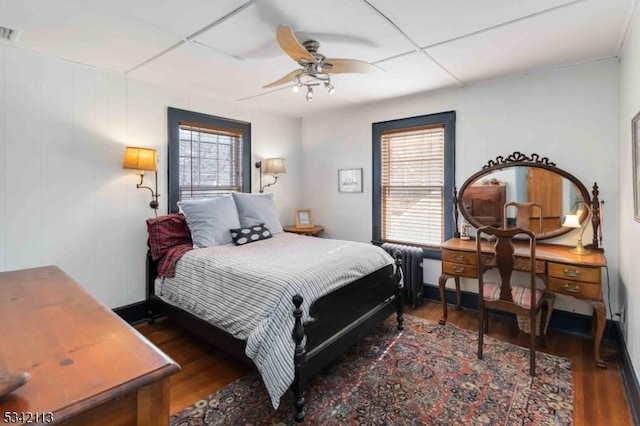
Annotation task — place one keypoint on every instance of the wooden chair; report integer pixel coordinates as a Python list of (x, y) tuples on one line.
[(524, 300), (523, 214)]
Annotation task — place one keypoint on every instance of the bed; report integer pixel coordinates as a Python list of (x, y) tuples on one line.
[(326, 303)]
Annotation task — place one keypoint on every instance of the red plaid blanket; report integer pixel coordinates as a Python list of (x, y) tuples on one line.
[(169, 240)]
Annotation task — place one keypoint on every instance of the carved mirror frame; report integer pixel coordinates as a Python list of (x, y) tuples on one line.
[(533, 160)]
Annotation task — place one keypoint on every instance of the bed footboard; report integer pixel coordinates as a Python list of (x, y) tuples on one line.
[(340, 319)]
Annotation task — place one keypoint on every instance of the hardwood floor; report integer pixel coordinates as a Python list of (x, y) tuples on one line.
[(599, 397)]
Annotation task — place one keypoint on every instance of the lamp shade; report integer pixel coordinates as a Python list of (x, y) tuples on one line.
[(145, 159), (571, 221), (274, 166)]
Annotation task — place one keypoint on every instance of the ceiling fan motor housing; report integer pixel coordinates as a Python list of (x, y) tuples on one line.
[(311, 45)]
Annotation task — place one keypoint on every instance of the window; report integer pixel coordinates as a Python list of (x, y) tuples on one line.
[(413, 171), (208, 156), (210, 161)]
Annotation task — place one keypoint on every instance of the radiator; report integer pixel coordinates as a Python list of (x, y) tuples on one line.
[(412, 271)]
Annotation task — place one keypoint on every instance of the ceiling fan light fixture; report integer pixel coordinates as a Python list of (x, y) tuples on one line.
[(329, 87), (296, 87), (309, 94)]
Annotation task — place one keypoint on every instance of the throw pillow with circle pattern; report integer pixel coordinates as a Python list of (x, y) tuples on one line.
[(242, 236)]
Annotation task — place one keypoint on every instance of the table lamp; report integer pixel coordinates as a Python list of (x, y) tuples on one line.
[(573, 221)]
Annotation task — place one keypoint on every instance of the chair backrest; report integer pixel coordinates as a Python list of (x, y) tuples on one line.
[(524, 213), (503, 258)]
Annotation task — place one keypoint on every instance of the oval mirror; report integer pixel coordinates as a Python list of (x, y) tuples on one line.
[(523, 191)]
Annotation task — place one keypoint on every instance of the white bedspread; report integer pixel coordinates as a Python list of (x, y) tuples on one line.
[(247, 290)]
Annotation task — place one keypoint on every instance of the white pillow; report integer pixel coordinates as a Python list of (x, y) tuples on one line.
[(209, 220), (254, 209)]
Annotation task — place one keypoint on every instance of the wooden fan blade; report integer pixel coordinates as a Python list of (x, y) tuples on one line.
[(343, 65), (287, 78), (291, 46)]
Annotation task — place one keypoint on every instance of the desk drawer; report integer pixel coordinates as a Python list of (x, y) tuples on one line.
[(469, 271), (577, 289), (461, 257), (572, 272)]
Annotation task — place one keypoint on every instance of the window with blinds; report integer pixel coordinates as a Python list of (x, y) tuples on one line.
[(412, 184), (210, 160), (208, 156), (413, 181)]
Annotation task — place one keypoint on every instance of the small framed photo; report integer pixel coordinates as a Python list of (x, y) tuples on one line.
[(304, 218), (635, 155), (350, 180)]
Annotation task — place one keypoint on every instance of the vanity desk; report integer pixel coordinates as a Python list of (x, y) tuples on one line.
[(535, 179), (563, 272)]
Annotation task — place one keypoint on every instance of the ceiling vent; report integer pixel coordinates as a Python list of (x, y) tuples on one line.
[(8, 34)]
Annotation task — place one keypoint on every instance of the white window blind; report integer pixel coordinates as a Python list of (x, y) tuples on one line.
[(412, 185), (210, 160)]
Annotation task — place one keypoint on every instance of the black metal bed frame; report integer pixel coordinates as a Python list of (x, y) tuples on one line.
[(340, 319)]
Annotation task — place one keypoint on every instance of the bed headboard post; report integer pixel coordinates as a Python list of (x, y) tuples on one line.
[(151, 279)]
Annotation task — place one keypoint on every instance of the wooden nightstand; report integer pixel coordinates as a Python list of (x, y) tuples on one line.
[(314, 232)]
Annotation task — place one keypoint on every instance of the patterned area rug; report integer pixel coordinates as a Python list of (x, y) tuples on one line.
[(426, 375)]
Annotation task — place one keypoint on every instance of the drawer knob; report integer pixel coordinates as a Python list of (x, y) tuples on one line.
[(458, 257), (458, 269), (572, 288), (572, 273)]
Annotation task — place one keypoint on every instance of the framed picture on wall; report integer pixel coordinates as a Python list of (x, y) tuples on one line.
[(304, 218), (635, 155), (350, 180)]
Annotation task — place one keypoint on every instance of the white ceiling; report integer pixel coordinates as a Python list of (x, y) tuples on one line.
[(227, 48)]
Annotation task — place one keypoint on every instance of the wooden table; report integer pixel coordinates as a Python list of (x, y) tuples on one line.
[(313, 231), (563, 272), (87, 366)]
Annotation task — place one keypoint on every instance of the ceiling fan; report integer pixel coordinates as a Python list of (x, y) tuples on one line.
[(316, 68)]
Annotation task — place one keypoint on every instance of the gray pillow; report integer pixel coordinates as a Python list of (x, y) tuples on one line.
[(209, 220), (254, 209)]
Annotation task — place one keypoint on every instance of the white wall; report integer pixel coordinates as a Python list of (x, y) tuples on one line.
[(64, 198), (568, 114), (629, 228)]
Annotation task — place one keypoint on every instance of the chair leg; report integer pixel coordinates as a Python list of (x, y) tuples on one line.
[(481, 320), (532, 342), (543, 321), (514, 329)]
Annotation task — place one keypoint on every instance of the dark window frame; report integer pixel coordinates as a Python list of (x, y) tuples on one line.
[(448, 119), (174, 117)]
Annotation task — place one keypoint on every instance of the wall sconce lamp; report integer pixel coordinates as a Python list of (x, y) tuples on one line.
[(271, 166), (573, 221), (143, 160)]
